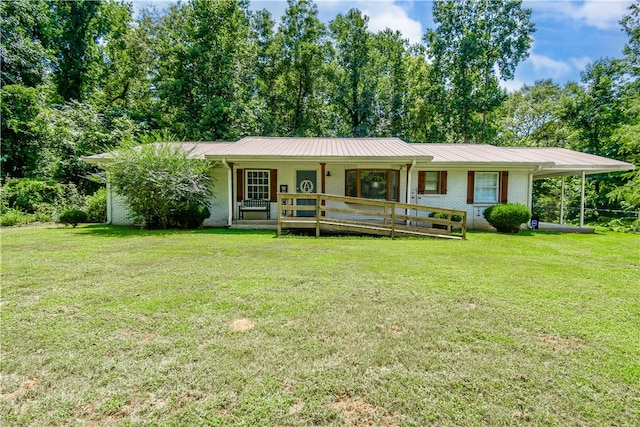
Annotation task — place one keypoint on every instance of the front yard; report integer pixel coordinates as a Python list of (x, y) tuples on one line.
[(110, 325)]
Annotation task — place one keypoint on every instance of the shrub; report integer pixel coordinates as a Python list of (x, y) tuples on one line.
[(26, 194), (506, 218), (73, 217), (13, 217), (158, 180), (97, 206), (192, 216), (440, 215)]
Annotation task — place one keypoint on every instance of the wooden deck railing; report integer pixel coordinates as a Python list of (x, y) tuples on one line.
[(354, 214)]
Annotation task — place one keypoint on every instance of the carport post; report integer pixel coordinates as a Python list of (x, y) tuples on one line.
[(582, 200), (562, 202)]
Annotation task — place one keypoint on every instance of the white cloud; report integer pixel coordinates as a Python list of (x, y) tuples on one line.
[(548, 67), (512, 85), (601, 14), (386, 14), (581, 63)]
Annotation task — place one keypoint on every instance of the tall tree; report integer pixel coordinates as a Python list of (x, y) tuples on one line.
[(201, 65), (531, 117), (477, 43), (631, 25), (302, 51), (355, 78), (24, 46), (596, 109), (391, 58)]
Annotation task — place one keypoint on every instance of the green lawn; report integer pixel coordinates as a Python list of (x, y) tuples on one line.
[(108, 325)]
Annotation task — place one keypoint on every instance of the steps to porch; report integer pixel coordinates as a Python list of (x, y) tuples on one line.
[(323, 213)]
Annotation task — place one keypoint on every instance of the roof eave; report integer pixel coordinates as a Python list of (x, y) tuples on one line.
[(319, 159), (577, 170)]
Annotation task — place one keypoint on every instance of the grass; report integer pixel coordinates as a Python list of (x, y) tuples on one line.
[(110, 325)]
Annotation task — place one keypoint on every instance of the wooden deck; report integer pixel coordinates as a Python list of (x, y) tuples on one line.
[(365, 216)]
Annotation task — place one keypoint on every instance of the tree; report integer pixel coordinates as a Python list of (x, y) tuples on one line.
[(476, 44), (21, 134), (300, 52), (202, 65), (77, 129), (26, 34), (596, 109), (631, 25), (161, 183), (531, 117), (355, 77), (390, 61)]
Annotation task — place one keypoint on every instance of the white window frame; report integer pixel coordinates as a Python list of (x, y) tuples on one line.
[(480, 189), (252, 188), (436, 190)]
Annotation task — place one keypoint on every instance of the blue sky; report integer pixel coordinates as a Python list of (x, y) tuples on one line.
[(569, 34)]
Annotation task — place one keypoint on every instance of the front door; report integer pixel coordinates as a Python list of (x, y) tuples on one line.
[(306, 183)]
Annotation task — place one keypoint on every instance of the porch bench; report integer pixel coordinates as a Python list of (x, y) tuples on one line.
[(255, 205)]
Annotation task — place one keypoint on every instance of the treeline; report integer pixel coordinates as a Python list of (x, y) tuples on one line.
[(81, 77)]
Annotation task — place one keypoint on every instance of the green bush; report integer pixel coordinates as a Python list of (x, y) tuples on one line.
[(506, 218), (192, 217), (97, 206), (26, 194), (13, 217), (72, 217), (158, 180)]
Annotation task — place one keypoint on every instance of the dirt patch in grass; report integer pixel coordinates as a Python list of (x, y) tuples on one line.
[(561, 343), (297, 407), (242, 325), (359, 412), (28, 384)]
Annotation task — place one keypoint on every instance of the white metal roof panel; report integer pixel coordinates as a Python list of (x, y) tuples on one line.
[(321, 148)]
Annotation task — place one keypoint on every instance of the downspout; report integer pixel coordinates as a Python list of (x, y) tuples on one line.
[(229, 192)]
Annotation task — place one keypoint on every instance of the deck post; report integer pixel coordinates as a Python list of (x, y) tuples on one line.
[(393, 220), (562, 202), (279, 211), (318, 215), (582, 199), (464, 226)]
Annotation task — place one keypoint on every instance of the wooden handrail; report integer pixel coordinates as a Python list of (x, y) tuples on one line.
[(391, 214)]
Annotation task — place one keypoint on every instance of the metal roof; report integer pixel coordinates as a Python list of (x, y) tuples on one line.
[(343, 148), (472, 153), (568, 162), (546, 162)]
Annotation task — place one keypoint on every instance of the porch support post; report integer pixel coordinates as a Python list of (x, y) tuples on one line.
[(562, 202), (582, 199), (408, 196), (230, 190), (323, 187)]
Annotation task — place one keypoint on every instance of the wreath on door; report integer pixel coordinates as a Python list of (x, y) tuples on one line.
[(306, 186)]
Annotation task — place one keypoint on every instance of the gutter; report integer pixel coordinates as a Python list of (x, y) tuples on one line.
[(229, 192)]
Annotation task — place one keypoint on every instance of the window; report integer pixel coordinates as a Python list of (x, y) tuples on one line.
[(258, 184), (432, 182), (373, 184), (486, 187)]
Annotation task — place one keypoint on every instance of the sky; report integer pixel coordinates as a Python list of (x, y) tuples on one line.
[(569, 34)]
